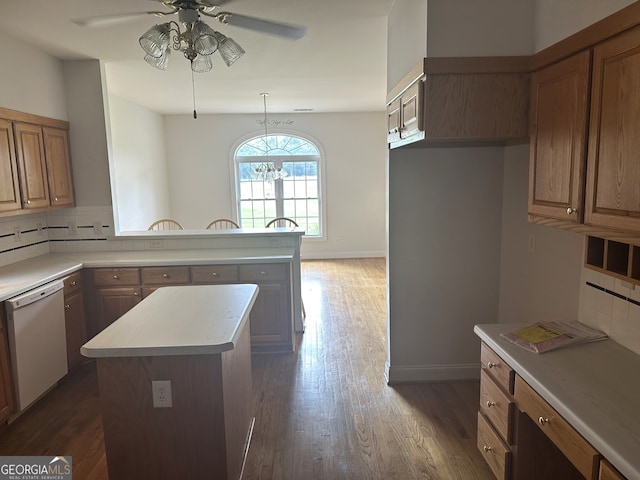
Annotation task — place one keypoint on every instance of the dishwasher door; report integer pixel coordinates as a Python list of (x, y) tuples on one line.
[(37, 341)]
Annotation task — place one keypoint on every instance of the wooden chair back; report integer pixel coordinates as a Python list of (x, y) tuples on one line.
[(165, 224), (222, 224), (281, 222)]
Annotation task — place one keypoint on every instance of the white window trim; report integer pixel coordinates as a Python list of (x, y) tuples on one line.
[(234, 181)]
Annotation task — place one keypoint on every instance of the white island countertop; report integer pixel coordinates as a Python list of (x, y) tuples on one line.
[(593, 386), (186, 320)]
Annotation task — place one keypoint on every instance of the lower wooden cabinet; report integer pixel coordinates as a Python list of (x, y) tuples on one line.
[(522, 437), (74, 317), (111, 292), (7, 401)]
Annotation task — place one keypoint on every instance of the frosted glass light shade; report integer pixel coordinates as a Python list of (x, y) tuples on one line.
[(229, 50), (204, 38), (160, 62), (155, 40), (201, 64)]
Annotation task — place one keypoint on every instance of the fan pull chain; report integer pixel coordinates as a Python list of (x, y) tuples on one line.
[(193, 90)]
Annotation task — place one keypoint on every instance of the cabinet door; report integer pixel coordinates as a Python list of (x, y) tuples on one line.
[(75, 328), (613, 176), (411, 111), (31, 165), (7, 403), (9, 186), (58, 160), (270, 320), (393, 121), (115, 302), (559, 104)]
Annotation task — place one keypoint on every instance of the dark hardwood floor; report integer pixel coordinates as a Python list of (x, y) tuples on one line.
[(323, 412)]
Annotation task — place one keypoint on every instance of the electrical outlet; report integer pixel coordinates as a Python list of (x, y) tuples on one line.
[(18, 233), (161, 390), (73, 228), (97, 227)]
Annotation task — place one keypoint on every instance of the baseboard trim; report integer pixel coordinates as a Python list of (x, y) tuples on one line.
[(431, 373)]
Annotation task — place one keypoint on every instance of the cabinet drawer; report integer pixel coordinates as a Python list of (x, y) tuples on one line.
[(116, 276), (72, 283), (165, 275), (607, 472), (264, 272), (497, 368), (496, 405), (579, 452), (214, 274), (493, 449)]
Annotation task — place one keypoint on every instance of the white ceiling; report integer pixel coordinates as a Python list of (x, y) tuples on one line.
[(339, 66)]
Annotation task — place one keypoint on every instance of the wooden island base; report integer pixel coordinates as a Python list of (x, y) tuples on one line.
[(204, 435)]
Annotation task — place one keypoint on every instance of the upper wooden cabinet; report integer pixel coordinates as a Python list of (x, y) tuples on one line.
[(35, 163), (613, 175), (460, 100), (31, 165), (58, 158), (9, 187), (559, 107)]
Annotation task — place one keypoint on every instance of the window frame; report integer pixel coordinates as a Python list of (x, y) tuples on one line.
[(234, 161)]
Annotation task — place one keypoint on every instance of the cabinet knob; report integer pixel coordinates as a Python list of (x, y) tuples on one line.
[(67, 306), (28, 202), (214, 274), (264, 274), (135, 294), (491, 365), (571, 211), (116, 277), (543, 421), (74, 283), (165, 275), (55, 199), (487, 448), (490, 404)]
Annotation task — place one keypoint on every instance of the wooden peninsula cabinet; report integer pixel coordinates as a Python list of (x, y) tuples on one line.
[(114, 291)]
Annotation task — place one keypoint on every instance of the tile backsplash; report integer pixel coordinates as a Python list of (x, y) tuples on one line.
[(611, 305)]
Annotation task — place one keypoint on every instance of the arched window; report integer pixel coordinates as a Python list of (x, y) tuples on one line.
[(297, 195)]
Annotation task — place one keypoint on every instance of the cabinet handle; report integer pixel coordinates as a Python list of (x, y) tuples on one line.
[(571, 210), (165, 275), (214, 274), (487, 448), (491, 364), (491, 404), (543, 421), (116, 277), (67, 306)]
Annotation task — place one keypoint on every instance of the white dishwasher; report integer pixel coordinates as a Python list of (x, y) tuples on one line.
[(37, 341)]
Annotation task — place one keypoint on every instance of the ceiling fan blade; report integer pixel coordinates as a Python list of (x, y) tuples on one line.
[(293, 32), (105, 20)]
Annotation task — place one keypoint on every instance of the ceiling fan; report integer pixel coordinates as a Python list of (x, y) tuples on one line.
[(188, 9)]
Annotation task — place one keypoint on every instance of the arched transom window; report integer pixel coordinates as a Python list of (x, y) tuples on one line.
[(296, 195)]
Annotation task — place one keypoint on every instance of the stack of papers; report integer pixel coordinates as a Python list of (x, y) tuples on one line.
[(544, 336)]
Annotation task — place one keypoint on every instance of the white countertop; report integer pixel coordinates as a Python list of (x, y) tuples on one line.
[(594, 387), (188, 320), (26, 275)]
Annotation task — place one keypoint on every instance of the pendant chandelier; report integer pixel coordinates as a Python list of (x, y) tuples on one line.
[(267, 171), (197, 41)]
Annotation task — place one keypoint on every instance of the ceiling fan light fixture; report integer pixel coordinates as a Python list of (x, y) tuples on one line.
[(155, 41), (201, 64), (160, 62), (229, 50), (204, 38)]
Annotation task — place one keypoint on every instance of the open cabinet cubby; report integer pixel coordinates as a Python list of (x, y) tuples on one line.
[(618, 259)]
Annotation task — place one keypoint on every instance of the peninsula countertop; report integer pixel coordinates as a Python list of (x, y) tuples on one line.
[(592, 386), (186, 320), (26, 275)]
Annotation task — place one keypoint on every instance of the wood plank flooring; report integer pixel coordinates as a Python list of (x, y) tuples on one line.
[(323, 412)]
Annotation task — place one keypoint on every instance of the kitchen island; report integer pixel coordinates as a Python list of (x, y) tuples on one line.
[(185, 350)]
